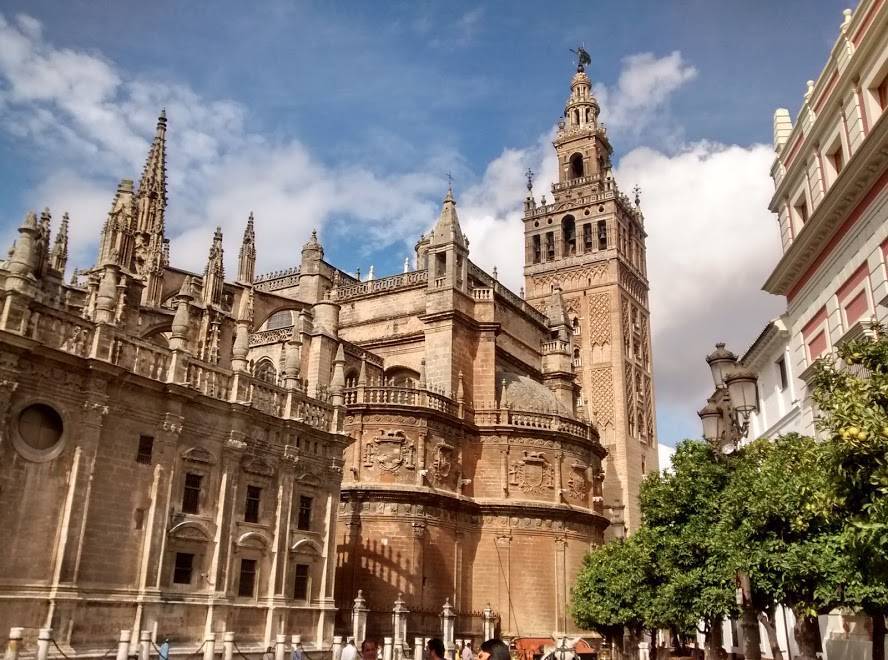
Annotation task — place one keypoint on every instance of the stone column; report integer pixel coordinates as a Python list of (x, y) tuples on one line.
[(399, 625), (12, 645), (209, 646), (144, 644), (418, 648), (228, 645), (359, 619), (123, 644), (280, 647), (386, 648), (448, 625), (489, 627), (336, 649), (43, 638)]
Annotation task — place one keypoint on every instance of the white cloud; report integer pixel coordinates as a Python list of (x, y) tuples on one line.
[(92, 119), (643, 89)]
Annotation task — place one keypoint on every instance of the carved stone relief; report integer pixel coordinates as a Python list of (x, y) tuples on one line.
[(532, 473), (389, 451)]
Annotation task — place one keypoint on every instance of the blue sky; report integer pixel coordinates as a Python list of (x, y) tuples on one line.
[(347, 116)]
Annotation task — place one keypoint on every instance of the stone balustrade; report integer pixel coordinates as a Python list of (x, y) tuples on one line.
[(531, 419), (383, 284), (502, 291), (380, 394), (76, 336)]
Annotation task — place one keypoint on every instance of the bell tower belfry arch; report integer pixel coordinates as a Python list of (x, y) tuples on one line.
[(589, 240)]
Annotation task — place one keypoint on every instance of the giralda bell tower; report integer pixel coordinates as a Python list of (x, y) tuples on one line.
[(589, 240)]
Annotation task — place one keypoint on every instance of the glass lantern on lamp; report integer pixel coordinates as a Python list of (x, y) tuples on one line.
[(720, 361)]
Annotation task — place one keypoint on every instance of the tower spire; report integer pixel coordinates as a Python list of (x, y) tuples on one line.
[(58, 258), (152, 193), (214, 273), (246, 260)]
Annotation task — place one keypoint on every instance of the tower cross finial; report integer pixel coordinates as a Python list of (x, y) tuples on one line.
[(449, 181), (637, 191), (529, 175)]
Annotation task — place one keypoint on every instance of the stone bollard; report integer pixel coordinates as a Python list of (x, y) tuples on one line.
[(144, 645), (15, 640), (337, 647), (123, 644), (386, 648), (43, 638), (418, 648), (228, 645), (280, 647), (209, 646), (295, 641)]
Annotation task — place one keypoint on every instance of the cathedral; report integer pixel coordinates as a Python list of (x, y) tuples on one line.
[(184, 455)]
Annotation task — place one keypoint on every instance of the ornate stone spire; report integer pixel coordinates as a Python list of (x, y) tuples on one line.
[(557, 314), (246, 259), (447, 229), (152, 194), (116, 244), (214, 273), (151, 254), (58, 259)]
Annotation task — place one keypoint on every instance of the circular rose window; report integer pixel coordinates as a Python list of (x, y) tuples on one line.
[(40, 430)]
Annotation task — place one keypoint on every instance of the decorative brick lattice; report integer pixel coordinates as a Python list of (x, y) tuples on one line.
[(599, 319), (601, 396)]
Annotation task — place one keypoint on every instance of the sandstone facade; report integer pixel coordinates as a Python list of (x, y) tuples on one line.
[(188, 455)]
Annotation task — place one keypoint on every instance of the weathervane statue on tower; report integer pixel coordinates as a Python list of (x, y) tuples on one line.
[(583, 57)]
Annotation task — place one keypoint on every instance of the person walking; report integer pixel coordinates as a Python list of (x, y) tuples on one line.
[(435, 647), (163, 653), (467, 650), (369, 649), (494, 649), (349, 651), (298, 653), (269, 654)]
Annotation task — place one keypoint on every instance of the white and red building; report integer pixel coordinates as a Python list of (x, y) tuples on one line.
[(831, 200)]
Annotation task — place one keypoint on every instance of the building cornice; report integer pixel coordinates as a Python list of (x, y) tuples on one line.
[(840, 207)]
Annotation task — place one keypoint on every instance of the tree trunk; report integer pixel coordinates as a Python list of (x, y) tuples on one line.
[(630, 643), (767, 620), (807, 634), (878, 635), (714, 640), (652, 649), (616, 644), (752, 641)]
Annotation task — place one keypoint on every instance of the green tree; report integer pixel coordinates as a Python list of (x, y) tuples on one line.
[(778, 527), (851, 395), (613, 588), (680, 510)]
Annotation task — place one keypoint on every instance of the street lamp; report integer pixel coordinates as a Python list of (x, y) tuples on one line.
[(725, 417)]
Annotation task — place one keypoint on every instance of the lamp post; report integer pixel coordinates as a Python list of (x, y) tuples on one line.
[(725, 420), (725, 417)]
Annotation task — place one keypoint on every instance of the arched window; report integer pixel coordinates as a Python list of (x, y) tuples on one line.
[(576, 166), (576, 357), (265, 371), (577, 117), (575, 324), (569, 235), (282, 319)]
